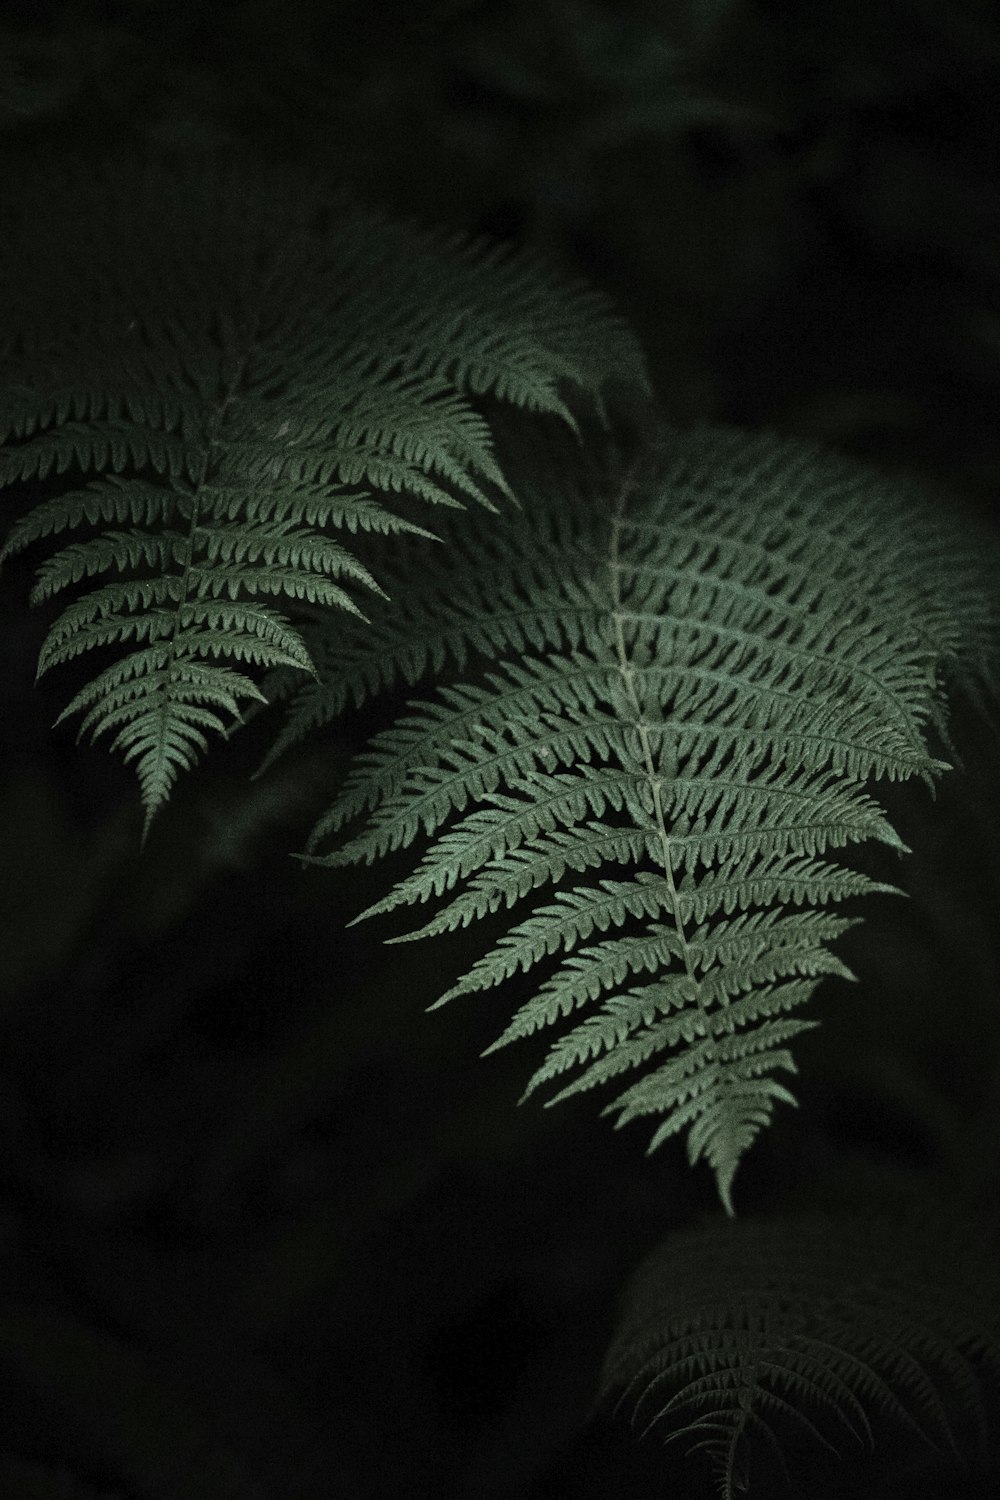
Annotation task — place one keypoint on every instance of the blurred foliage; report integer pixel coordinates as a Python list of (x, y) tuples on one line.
[(268, 1230)]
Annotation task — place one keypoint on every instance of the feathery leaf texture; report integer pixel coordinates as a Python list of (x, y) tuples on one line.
[(812, 1324), (213, 366), (688, 672)]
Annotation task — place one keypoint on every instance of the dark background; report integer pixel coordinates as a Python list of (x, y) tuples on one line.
[(265, 1223)]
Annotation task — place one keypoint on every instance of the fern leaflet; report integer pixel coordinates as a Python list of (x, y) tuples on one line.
[(682, 698), (242, 362), (809, 1324)]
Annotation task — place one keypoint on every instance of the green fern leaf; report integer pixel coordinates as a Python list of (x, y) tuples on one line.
[(215, 366), (733, 1335), (688, 676)]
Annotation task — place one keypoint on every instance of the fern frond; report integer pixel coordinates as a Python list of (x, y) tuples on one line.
[(217, 366), (820, 1323), (447, 619), (687, 678)]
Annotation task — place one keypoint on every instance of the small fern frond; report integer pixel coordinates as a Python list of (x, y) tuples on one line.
[(215, 367), (681, 699), (824, 1324)]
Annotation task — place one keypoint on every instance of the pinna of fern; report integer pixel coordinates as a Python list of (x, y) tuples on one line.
[(674, 683), (832, 1327), (215, 368)]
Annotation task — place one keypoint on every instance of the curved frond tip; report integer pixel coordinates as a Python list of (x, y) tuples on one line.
[(213, 368), (835, 1326), (678, 684)]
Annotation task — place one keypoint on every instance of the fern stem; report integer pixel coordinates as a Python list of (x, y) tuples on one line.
[(628, 678), (212, 443)]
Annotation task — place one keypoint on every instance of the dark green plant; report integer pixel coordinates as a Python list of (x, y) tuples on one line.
[(666, 664), (692, 671), (830, 1327), (246, 363)]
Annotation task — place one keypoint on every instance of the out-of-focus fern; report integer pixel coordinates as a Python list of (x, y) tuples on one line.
[(743, 1334), (688, 673), (245, 363)]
